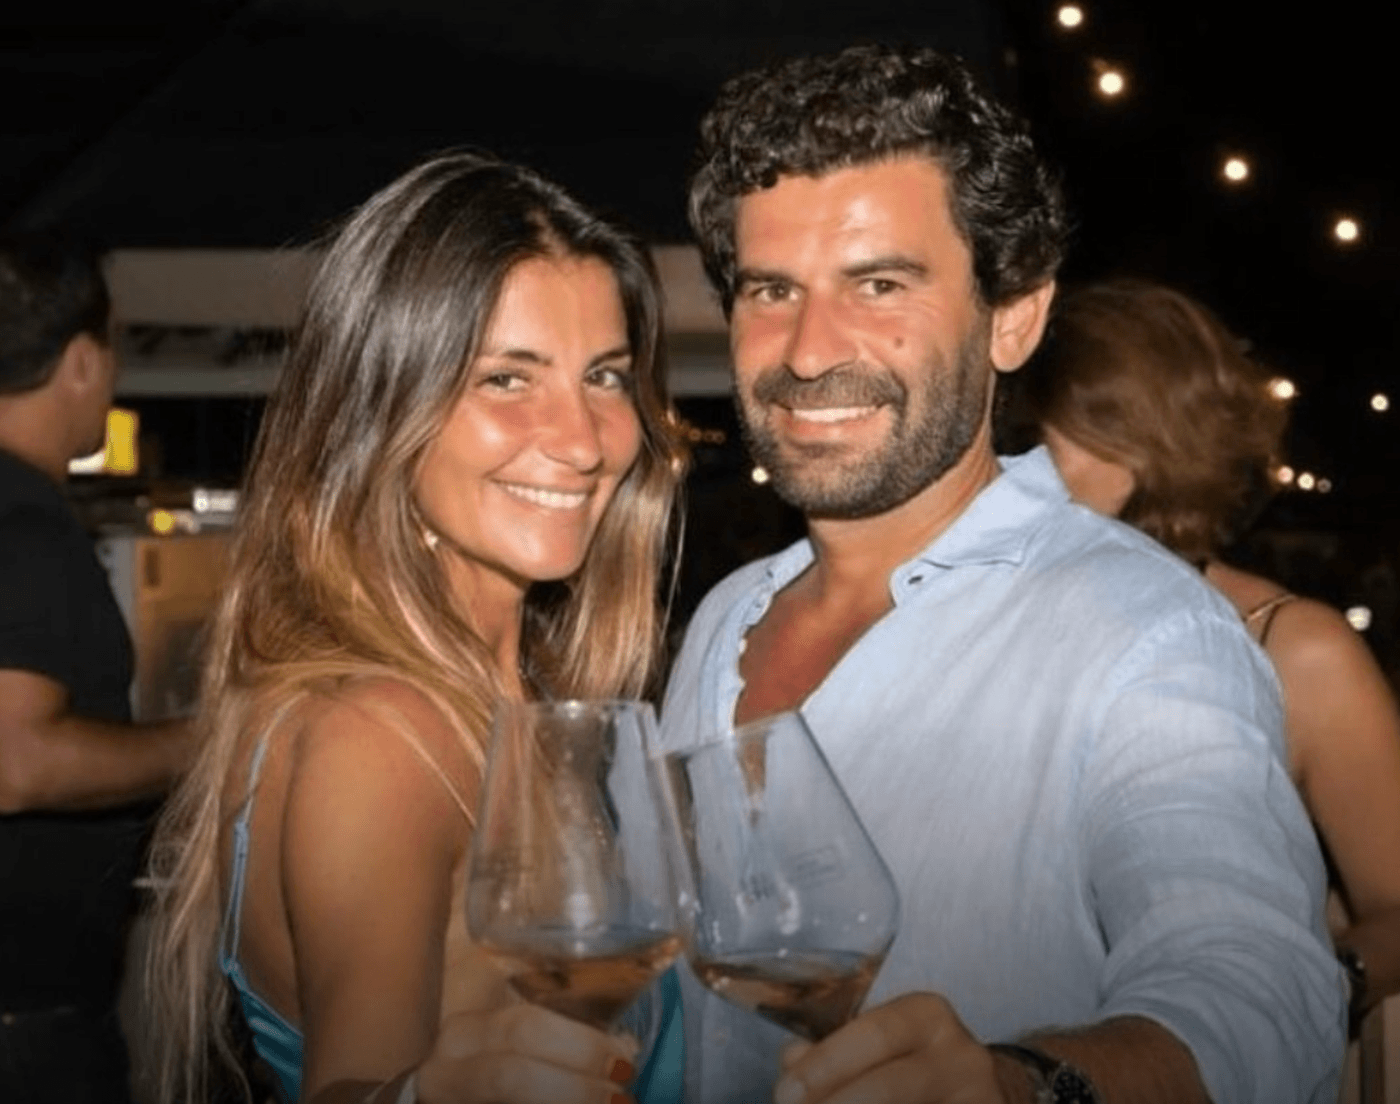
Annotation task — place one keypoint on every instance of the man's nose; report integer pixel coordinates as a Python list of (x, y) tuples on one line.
[(820, 340), (570, 431)]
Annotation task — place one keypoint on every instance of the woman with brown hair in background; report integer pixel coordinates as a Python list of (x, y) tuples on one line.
[(461, 492), (1154, 414)]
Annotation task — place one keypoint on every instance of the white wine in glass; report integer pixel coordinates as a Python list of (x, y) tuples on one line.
[(571, 889), (795, 909)]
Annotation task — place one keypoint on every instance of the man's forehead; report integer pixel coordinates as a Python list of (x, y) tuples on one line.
[(897, 201)]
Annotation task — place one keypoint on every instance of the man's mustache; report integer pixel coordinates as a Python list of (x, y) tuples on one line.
[(849, 385)]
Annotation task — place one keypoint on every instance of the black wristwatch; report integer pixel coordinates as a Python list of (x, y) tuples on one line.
[(1356, 988), (1054, 1081)]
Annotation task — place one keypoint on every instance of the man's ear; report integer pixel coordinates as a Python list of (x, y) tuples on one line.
[(1018, 326), (83, 364)]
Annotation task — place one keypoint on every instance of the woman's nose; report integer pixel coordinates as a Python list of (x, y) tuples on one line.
[(571, 433)]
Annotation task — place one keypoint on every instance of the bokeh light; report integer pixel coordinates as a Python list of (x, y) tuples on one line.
[(1235, 170), (1111, 83), (1070, 16), (1346, 230), (1306, 481), (1359, 618), (1283, 388), (759, 475), (1380, 402)]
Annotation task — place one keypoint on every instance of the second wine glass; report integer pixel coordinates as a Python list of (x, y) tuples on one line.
[(571, 888), (795, 909)]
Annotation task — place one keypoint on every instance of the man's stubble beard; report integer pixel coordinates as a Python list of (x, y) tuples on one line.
[(817, 480)]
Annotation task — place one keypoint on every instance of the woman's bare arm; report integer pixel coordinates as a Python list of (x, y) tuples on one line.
[(1344, 741)]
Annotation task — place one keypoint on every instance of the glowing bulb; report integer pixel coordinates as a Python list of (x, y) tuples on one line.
[(1324, 486), (1070, 16), (1346, 230), (1284, 474), (1380, 402), (759, 475), (1235, 170), (162, 522), (1283, 388), (1111, 83), (1359, 618), (1306, 481)]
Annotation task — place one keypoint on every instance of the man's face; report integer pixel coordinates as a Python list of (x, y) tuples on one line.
[(860, 347)]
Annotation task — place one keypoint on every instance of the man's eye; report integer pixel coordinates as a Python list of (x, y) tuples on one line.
[(771, 293), (878, 285)]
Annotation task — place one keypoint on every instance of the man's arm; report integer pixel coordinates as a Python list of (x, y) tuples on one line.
[(52, 760)]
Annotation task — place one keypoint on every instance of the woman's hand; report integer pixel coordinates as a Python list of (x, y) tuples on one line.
[(525, 1054)]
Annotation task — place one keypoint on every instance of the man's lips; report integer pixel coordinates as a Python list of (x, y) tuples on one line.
[(830, 415)]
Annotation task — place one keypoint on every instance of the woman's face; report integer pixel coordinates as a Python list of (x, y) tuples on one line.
[(1102, 485), (544, 431)]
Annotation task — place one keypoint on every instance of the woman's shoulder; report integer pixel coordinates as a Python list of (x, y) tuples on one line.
[(387, 740)]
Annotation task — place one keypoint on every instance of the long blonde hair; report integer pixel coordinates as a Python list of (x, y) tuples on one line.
[(330, 578)]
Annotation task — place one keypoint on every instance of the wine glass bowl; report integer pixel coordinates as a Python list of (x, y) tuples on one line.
[(794, 907), (571, 889)]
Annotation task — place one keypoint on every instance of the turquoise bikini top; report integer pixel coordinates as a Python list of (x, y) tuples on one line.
[(280, 1044)]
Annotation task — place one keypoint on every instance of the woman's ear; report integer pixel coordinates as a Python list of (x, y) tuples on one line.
[(1018, 326)]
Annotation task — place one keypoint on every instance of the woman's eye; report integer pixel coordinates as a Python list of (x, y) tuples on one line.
[(502, 381), (611, 379)]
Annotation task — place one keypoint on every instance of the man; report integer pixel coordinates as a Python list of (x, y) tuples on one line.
[(71, 763), (1061, 742)]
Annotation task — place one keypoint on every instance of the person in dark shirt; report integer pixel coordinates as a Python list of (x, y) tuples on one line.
[(76, 776)]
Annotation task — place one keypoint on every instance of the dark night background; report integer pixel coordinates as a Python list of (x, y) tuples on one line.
[(217, 123)]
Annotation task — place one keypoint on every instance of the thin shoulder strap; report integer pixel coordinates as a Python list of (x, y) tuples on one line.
[(1264, 613), (404, 728), (230, 931)]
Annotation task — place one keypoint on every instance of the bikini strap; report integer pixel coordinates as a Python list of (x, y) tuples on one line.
[(229, 931), (1267, 611)]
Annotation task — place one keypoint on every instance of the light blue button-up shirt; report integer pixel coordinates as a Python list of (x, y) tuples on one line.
[(1069, 753)]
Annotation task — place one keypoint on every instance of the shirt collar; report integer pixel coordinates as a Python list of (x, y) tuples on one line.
[(997, 527), (1001, 522)]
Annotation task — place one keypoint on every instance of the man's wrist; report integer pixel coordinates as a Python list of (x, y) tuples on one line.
[(1048, 1079)]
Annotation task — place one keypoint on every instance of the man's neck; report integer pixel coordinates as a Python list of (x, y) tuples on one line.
[(855, 556), (30, 432)]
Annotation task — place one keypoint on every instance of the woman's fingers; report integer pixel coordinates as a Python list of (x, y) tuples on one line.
[(525, 1054)]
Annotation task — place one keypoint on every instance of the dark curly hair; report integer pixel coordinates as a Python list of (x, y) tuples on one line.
[(1144, 376), (810, 115)]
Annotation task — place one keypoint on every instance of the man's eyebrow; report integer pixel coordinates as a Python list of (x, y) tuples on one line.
[(760, 276), (894, 262)]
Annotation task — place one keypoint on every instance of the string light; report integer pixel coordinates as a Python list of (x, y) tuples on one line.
[(1283, 388), (1324, 486), (1380, 402), (759, 475), (1359, 618), (1306, 481), (1346, 230), (1284, 474), (1070, 16), (1235, 170), (1111, 83)]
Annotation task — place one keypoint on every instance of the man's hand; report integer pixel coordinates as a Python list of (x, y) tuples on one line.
[(913, 1050)]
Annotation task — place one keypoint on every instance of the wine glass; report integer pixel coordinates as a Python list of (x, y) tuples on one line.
[(795, 909), (571, 889)]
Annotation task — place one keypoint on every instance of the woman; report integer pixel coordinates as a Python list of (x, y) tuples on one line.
[(1154, 414), (461, 491)]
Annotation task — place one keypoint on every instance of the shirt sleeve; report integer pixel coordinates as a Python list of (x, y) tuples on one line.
[(35, 608), (1208, 881)]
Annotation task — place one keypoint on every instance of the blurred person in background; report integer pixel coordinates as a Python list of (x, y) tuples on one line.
[(461, 492), (75, 773), (1155, 415)]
